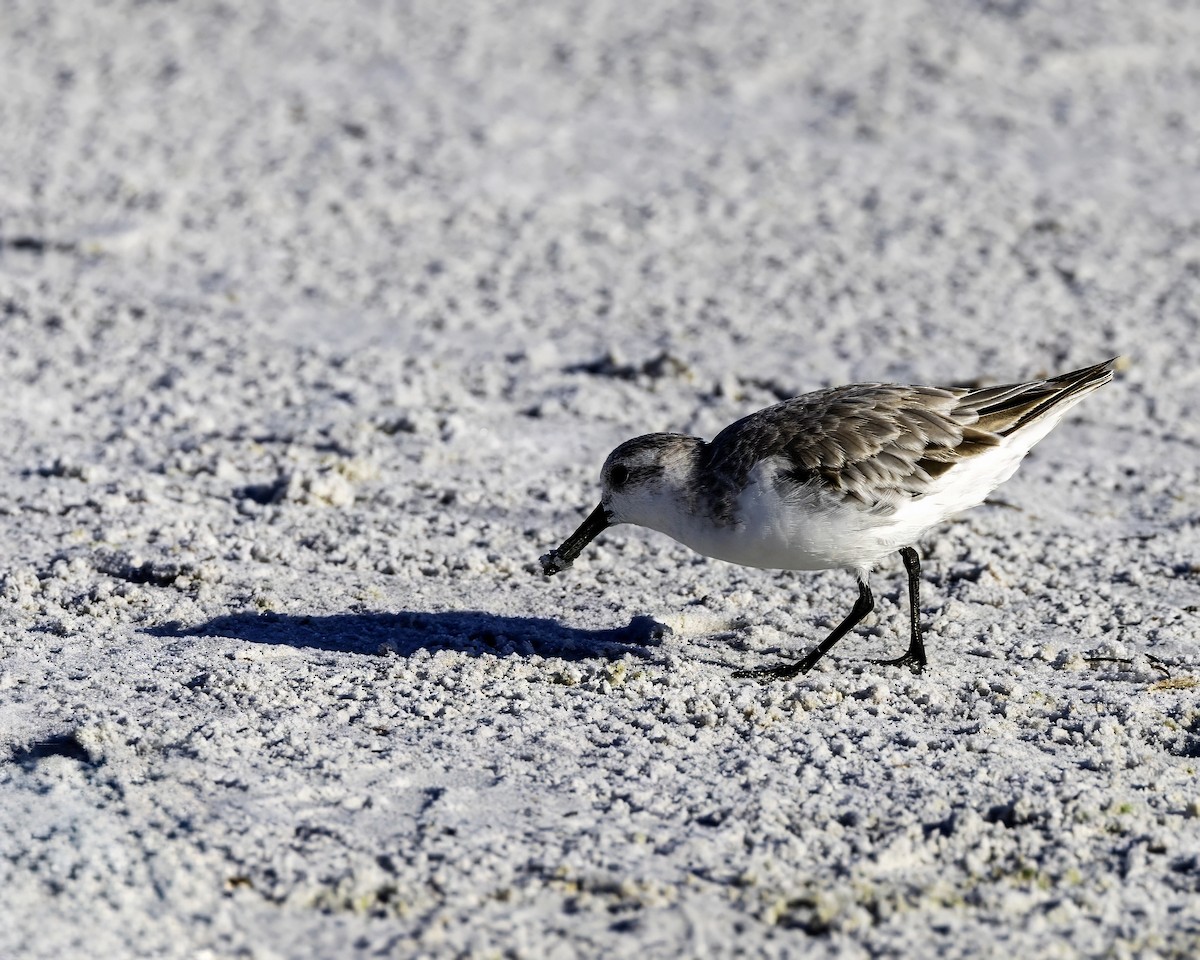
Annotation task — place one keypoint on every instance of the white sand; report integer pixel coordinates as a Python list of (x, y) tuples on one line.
[(315, 327)]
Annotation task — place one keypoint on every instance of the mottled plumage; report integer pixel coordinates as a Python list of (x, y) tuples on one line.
[(836, 478)]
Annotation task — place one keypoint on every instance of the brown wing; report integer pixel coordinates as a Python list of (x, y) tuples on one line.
[(879, 443), (868, 441)]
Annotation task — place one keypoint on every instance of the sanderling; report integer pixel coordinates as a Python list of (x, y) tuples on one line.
[(836, 478)]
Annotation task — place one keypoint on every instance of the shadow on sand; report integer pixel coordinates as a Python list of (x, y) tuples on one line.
[(469, 631)]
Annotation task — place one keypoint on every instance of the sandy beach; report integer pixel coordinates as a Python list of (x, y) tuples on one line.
[(317, 322)]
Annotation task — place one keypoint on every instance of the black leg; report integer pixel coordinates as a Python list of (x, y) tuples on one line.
[(914, 656), (786, 671)]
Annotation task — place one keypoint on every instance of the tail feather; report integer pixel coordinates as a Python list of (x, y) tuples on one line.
[(1006, 409)]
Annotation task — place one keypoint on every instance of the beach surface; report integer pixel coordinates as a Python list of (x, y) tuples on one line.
[(317, 322)]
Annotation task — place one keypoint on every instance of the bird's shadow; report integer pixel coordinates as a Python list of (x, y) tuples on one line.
[(404, 633)]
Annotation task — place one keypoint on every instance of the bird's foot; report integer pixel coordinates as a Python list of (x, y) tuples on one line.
[(912, 659), (785, 671), (782, 671)]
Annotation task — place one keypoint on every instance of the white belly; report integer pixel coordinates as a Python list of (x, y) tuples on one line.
[(811, 532)]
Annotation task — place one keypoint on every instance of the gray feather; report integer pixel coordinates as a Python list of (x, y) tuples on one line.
[(880, 444)]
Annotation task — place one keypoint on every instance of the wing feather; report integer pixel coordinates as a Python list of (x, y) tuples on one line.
[(881, 444)]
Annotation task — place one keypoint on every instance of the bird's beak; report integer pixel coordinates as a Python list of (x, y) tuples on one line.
[(558, 559)]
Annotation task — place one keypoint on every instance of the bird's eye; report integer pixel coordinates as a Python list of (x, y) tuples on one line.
[(618, 475)]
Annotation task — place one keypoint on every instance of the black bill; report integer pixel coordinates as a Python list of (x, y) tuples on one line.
[(558, 559)]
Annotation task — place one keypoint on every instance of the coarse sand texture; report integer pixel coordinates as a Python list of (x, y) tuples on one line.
[(317, 322)]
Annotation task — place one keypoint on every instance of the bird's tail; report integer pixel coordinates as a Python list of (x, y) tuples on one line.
[(1006, 409)]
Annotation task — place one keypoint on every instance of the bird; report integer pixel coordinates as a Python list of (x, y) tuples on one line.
[(836, 479)]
